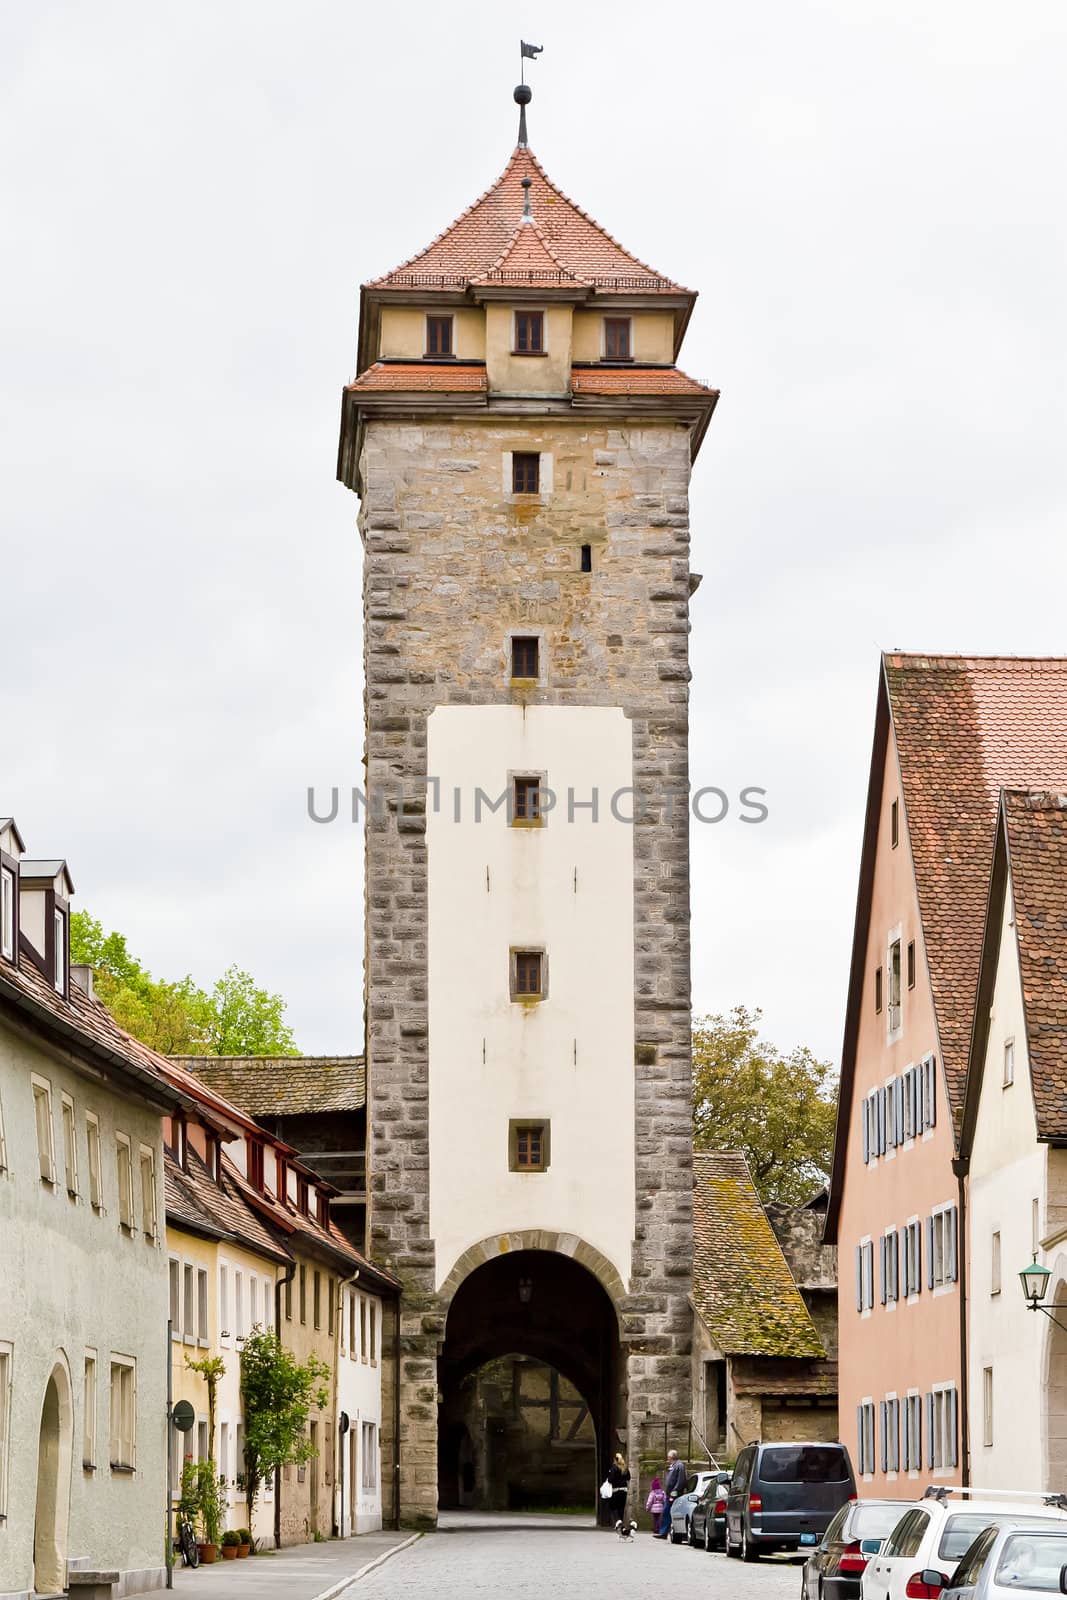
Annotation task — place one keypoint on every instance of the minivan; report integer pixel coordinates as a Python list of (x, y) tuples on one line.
[(784, 1496)]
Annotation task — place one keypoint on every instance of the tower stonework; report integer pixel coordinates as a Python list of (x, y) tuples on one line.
[(521, 441)]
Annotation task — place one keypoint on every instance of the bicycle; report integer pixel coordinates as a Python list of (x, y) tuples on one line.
[(187, 1542)]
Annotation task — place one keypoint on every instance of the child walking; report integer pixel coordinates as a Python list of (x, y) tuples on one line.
[(657, 1505)]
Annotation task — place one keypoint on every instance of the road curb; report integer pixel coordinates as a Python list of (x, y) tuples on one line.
[(368, 1566)]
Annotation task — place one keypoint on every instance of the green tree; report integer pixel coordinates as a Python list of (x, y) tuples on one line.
[(779, 1109), (278, 1392), (180, 1019)]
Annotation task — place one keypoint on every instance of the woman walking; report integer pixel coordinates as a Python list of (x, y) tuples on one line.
[(619, 1478)]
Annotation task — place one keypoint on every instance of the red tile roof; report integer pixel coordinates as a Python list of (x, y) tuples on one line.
[(1036, 829), (479, 239), (965, 728), (529, 261), (418, 376), (635, 380)]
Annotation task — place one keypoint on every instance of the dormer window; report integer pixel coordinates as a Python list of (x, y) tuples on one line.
[(617, 345), (59, 951), (7, 912), (439, 337), (529, 333), (302, 1197), (255, 1164)]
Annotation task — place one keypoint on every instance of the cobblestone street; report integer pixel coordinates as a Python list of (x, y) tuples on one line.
[(529, 1556)]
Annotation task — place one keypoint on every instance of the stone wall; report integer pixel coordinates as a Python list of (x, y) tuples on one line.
[(452, 564)]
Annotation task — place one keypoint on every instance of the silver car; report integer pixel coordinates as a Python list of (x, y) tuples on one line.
[(1010, 1560)]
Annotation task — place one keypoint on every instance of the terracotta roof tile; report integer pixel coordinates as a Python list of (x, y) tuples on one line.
[(284, 1086), (965, 728), (447, 377), (635, 380), (529, 261), (742, 1285), (480, 237), (1037, 851)]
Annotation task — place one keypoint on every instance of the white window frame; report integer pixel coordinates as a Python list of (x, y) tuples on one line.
[(1009, 1062), (894, 980), (90, 1382), (46, 1146), (369, 1442), (188, 1302), (892, 1435), (174, 1269), (92, 1146), (866, 1437), (125, 1184), (3, 1142), (943, 1444), (59, 950), (913, 1432), (202, 1306), (943, 1268), (122, 1452), (146, 1159), (238, 1304), (995, 1255), (987, 1408), (913, 1273), (69, 1124), (7, 913), (7, 1365)]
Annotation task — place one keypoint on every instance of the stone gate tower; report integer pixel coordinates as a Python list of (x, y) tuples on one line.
[(521, 441)]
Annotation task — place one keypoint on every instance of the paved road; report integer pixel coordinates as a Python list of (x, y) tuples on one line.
[(529, 1558)]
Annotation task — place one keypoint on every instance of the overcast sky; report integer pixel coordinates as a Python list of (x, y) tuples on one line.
[(870, 199)]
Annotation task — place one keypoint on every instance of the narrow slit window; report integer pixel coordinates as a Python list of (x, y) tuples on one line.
[(529, 333), (439, 336), (894, 986), (894, 824), (42, 1106), (525, 658), (1009, 1063), (528, 973), (527, 800), (617, 339), (525, 472), (124, 1171), (586, 558), (70, 1147), (878, 989), (911, 963), (92, 1143)]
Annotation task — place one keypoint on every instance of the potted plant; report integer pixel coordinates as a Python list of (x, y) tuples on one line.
[(211, 1505), (231, 1543), (244, 1549)]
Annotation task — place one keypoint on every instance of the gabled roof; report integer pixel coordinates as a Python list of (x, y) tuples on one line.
[(965, 726), (742, 1285), (477, 242), (528, 261), (1030, 863), (284, 1086)]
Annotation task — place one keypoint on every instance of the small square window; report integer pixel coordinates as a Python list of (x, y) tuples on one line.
[(524, 658), (878, 989), (911, 963), (528, 1146), (526, 800), (528, 974), (894, 824), (525, 472), (617, 339), (439, 336), (529, 333)]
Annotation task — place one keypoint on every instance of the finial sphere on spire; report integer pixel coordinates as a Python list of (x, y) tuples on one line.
[(523, 94)]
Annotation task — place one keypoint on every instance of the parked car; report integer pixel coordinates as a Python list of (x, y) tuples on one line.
[(683, 1504), (934, 1536), (707, 1519), (779, 1492), (835, 1567), (1008, 1560)]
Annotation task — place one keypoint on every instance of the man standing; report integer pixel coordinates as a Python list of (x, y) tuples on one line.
[(674, 1486)]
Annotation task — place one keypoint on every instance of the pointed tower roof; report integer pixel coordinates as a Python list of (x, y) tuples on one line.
[(481, 237), (528, 259)]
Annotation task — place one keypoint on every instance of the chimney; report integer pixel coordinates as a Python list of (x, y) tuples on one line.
[(82, 976)]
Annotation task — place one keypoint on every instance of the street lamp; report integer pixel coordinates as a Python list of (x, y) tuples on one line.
[(1034, 1281)]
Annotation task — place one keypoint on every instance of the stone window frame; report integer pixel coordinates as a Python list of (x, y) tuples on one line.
[(519, 775), (7, 1366), (525, 633), (545, 474), (531, 949), (90, 1408), (517, 1125), (123, 1428), (68, 1120)]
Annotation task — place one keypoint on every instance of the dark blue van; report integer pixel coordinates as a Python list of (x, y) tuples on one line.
[(784, 1496)]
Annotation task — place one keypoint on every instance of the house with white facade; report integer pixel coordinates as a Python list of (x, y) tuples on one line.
[(1014, 1149), (84, 1274)]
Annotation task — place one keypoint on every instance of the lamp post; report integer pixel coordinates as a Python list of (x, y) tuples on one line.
[(1034, 1281)]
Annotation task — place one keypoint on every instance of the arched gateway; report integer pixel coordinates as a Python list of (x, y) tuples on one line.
[(526, 603), (54, 1461)]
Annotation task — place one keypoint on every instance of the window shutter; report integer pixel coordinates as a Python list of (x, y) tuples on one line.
[(859, 1438), (859, 1277), (883, 1428), (952, 1428), (865, 1119), (929, 1430), (931, 1091), (879, 1101), (883, 1268), (898, 1091), (869, 1285), (951, 1230), (929, 1252)]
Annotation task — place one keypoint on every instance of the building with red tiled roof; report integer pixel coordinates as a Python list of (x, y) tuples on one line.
[(950, 732), (1013, 1149)]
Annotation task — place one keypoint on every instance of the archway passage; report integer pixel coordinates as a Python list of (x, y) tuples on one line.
[(529, 1376), (53, 1485)]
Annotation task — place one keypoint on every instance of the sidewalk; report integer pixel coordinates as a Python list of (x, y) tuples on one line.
[(298, 1572)]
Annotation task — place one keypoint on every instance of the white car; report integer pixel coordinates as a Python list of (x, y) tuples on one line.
[(933, 1535), (681, 1507)]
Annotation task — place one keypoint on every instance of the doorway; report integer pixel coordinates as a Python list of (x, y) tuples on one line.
[(53, 1484), (314, 1466)]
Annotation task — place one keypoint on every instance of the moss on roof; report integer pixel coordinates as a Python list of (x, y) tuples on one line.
[(742, 1285)]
